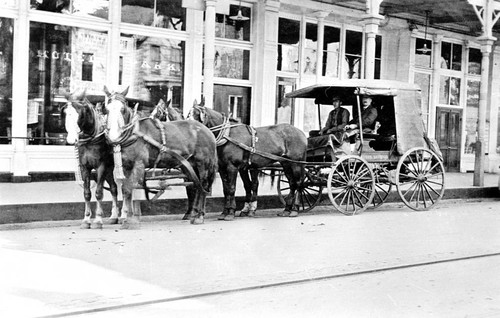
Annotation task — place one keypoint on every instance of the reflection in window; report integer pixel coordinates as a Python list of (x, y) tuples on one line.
[(231, 63), (423, 58), (310, 48), (284, 106), (166, 14), (95, 8), (449, 90), (472, 113), (87, 66), (424, 81), (331, 49), (353, 54), (288, 45), (62, 59), (152, 68), (475, 57), (227, 28), (451, 56), (6, 50)]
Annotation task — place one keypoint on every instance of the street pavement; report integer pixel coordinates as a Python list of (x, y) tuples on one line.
[(388, 262)]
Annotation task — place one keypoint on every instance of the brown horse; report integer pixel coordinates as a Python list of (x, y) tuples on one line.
[(165, 112), (244, 149), (85, 128), (148, 143)]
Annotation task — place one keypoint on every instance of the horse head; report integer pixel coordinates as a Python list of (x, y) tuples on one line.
[(206, 116), (71, 115), (118, 113)]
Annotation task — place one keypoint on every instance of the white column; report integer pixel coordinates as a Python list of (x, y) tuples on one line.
[(265, 53), (434, 89), (193, 78), (20, 79), (372, 21), (113, 66), (320, 41), (208, 70), (486, 46)]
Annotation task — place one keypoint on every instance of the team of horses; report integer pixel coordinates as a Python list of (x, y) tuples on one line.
[(121, 144)]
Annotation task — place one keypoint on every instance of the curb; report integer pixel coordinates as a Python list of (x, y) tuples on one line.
[(66, 211)]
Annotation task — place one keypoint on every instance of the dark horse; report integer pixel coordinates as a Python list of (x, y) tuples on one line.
[(244, 149), (85, 128), (149, 143), (165, 112)]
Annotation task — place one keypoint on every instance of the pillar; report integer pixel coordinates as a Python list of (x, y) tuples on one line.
[(372, 21), (320, 42), (208, 70)]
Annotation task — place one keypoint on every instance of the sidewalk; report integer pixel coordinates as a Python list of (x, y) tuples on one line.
[(63, 200)]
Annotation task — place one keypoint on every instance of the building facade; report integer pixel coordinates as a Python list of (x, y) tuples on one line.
[(242, 56)]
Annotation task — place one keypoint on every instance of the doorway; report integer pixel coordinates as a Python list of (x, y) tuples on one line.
[(448, 135)]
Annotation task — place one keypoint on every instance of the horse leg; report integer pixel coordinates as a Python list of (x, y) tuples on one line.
[(113, 188), (191, 195), (294, 174), (228, 177), (251, 184), (97, 224), (132, 179), (87, 195)]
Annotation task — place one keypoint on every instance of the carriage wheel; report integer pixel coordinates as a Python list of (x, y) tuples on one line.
[(383, 187), (307, 196), (420, 179), (351, 185)]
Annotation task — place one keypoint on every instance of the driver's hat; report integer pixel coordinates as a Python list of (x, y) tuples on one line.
[(336, 97)]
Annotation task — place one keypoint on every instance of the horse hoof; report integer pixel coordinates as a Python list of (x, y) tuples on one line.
[(229, 217), (197, 220), (85, 226), (284, 213), (122, 220), (243, 214), (97, 226), (222, 217), (293, 214), (186, 217), (113, 221), (251, 214), (127, 225)]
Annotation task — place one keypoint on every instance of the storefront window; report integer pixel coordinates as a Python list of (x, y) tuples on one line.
[(424, 81), (423, 53), (62, 59), (472, 113), (353, 54), (228, 27), (310, 49), (94, 8), (234, 101), (152, 68), (6, 49), (475, 57), (231, 63), (8, 3), (166, 14), (331, 49), (449, 90), (451, 56), (284, 106), (288, 45), (378, 56)]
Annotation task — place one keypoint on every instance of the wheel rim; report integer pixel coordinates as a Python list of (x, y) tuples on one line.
[(351, 185), (420, 179), (383, 187), (307, 196)]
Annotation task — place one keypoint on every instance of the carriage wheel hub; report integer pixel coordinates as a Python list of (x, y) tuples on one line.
[(351, 184), (421, 178)]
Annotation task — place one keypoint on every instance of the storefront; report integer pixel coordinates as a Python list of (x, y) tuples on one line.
[(261, 51)]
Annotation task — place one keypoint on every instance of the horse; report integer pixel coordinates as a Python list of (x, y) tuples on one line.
[(85, 128), (244, 149), (165, 112), (142, 143)]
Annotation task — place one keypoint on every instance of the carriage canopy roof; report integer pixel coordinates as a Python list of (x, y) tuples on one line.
[(406, 98)]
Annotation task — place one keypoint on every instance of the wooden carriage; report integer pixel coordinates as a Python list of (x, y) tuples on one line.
[(361, 174)]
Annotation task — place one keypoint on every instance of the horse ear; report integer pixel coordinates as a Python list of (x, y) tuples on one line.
[(125, 92), (81, 95), (161, 102), (106, 91), (202, 101), (168, 102), (195, 102)]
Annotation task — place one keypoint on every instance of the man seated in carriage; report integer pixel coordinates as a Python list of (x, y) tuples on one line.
[(334, 127), (369, 116)]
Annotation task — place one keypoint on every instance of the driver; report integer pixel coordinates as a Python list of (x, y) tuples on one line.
[(368, 116), (334, 127)]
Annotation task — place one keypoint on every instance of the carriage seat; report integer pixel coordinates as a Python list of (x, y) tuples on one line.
[(383, 142)]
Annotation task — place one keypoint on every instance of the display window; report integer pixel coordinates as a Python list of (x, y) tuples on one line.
[(62, 59), (166, 14), (6, 50), (89, 8)]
